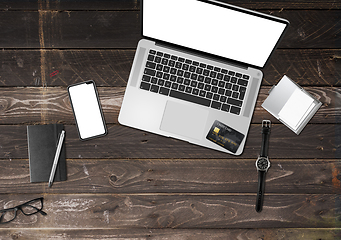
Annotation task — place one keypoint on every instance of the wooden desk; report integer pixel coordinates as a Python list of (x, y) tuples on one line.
[(136, 185)]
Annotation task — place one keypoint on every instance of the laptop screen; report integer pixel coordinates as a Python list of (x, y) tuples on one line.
[(228, 32)]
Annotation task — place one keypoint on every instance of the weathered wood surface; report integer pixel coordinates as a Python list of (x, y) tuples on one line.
[(132, 184), (172, 234), (121, 29), (135, 4), (142, 176), (316, 141), (33, 105), (109, 67), (183, 211)]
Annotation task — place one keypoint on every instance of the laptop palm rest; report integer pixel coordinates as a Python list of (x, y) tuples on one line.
[(184, 120)]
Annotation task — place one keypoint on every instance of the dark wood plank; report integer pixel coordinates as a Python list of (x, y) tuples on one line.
[(166, 234), (308, 67), (121, 29), (178, 176), (178, 211), (36, 105), (315, 141), (133, 5)]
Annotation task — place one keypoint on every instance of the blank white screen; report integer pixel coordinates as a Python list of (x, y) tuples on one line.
[(209, 28), (87, 111)]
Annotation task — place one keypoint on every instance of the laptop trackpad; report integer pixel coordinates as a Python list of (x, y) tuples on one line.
[(184, 120)]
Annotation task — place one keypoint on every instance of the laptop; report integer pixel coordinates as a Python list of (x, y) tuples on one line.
[(197, 71)]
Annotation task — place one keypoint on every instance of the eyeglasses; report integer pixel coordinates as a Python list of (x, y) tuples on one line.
[(28, 208)]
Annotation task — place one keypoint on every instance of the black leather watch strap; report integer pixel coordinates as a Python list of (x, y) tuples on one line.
[(266, 124), (260, 192)]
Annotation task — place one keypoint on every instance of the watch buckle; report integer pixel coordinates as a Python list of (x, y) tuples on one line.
[(266, 123)]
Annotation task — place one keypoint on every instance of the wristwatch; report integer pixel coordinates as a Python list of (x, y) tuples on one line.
[(263, 164)]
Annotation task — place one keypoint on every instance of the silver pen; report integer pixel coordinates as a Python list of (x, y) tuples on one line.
[(56, 157)]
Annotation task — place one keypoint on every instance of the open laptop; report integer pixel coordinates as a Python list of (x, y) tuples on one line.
[(196, 72)]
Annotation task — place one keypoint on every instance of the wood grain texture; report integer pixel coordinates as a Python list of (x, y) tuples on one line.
[(109, 67), (211, 176), (315, 141), (37, 105), (135, 5), (121, 29), (180, 211), (171, 234)]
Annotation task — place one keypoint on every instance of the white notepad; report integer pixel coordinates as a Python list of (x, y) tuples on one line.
[(291, 104)]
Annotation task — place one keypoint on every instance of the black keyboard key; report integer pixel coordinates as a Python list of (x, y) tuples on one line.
[(220, 76), (173, 71), (166, 55), (221, 84), (154, 80), (178, 65), (172, 78), (182, 88), (234, 80), (180, 59), (146, 78), (195, 91), (151, 51), (200, 85), (224, 71), (242, 82), (231, 73), (150, 72), (213, 74), (239, 75), (157, 59), (180, 80), (180, 73), (207, 87), (195, 63), (166, 69), (228, 93), (166, 76), (174, 57), (216, 97), (150, 57), (175, 86), (154, 88), (214, 89), (164, 61), (246, 77), (171, 63), (222, 99), (194, 84), (235, 110), (160, 82), (202, 93), (209, 95), (188, 90), (159, 67), (234, 102), (168, 84), (145, 85), (210, 67), (225, 107), (185, 67), (164, 91), (190, 98), (159, 54), (187, 81), (192, 69), (235, 87), (150, 65), (187, 74), (227, 78), (188, 61), (221, 91), (216, 105), (202, 65), (159, 74), (199, 70), (214, 82), (235, 95)]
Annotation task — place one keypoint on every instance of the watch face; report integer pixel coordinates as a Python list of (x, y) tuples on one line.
[(262, 163)]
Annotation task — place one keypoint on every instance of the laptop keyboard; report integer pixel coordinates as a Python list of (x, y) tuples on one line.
[(195, 82)]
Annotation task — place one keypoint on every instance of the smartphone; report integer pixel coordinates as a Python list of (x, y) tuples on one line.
[(87, 110)]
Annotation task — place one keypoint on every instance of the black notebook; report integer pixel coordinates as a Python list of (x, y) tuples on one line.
[(42, 146)]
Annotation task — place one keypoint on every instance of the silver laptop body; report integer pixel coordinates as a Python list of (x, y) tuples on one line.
[(184, 85)]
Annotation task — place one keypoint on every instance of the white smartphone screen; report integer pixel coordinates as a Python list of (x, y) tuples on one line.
[(87, 110)]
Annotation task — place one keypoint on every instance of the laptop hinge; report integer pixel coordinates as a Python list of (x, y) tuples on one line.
[(202, 55)]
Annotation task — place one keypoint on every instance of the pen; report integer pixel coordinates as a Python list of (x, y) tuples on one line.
[(56, 157)]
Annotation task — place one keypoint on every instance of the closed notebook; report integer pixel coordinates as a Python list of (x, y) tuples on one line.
[(42, 146)]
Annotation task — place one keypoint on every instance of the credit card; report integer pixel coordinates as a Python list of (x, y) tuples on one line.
[(225, 136)]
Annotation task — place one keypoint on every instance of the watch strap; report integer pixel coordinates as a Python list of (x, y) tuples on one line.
[(266, 129), (260, 191)]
